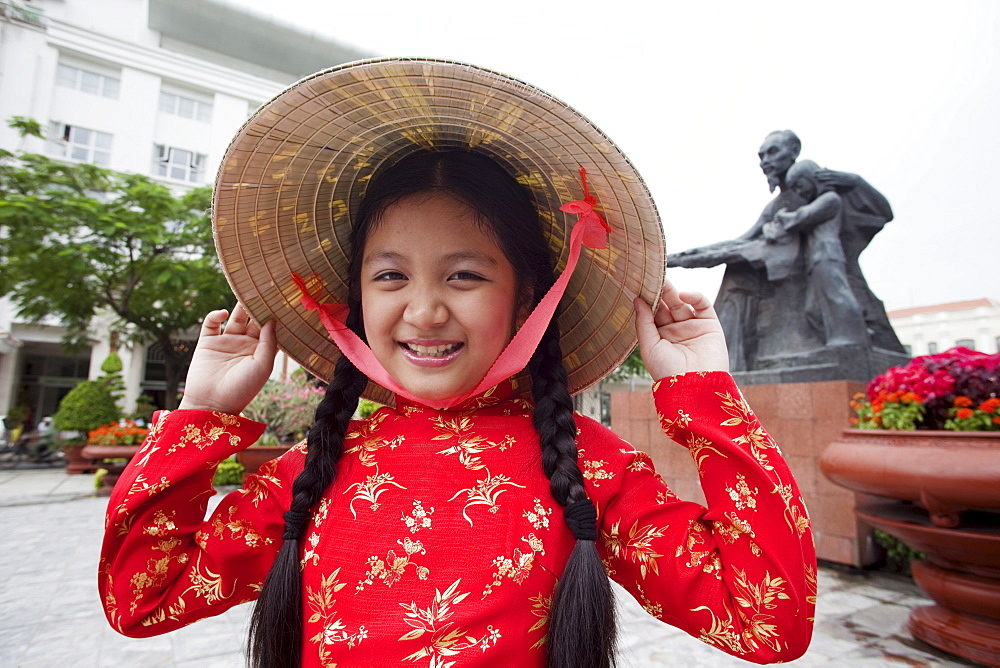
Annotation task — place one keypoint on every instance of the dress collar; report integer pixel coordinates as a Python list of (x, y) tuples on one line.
[(502, 395)]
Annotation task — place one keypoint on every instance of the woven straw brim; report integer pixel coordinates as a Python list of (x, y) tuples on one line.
[(293, 176)]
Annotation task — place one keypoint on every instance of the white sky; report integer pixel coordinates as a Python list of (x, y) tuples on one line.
[(904, 93)]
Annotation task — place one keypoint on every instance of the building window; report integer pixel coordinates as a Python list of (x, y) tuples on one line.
[(80, 144), (185, 107), (932, 347), (87, 81), (966, 343), (176, 163)]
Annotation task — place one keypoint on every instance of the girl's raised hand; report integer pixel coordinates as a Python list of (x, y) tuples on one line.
[(684, 335), (230, 364)]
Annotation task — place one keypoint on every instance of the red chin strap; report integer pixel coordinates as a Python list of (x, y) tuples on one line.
[(590, 230)]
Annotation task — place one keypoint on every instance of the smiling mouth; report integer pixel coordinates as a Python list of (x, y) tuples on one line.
[(431, 352)]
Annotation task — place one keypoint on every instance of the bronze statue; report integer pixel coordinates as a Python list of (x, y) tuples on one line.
[(793, 296)]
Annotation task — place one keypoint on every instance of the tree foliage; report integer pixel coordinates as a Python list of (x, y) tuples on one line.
[(77, 240)]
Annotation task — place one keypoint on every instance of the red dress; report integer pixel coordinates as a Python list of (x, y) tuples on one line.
[(439, 543)]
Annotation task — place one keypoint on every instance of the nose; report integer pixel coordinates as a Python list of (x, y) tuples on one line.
[(426, 309)]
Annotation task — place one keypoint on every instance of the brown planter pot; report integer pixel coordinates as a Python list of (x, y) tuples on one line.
[(101, 453), (256, 456), (76, 463), (942, 493)]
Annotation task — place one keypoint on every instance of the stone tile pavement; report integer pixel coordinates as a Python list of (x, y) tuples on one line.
[(50, 535)]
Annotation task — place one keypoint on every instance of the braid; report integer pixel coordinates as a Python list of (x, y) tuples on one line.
[(582, 619), (276, 624)]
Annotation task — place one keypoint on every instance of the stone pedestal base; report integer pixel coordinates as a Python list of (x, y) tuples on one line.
[(837, 363), (802, 418)]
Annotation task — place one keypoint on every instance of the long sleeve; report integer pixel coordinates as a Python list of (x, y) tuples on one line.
[(739, 574), (162, 564)]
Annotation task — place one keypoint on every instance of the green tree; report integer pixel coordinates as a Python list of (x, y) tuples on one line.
[(77, 240)]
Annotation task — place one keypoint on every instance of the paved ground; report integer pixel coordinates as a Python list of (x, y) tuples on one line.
[(50, 534)]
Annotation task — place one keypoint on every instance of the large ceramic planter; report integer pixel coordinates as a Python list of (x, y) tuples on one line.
[(941, 494), (75, 461), (256, 456), (102, 456)]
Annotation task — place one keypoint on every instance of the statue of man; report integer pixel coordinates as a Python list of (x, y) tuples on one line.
[(783, 293), (752, 263)]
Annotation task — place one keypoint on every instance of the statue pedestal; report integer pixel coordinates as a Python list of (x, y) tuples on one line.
[(803, 418), (837, 363)]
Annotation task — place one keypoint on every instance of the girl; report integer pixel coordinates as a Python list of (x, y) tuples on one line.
[(464, 523)]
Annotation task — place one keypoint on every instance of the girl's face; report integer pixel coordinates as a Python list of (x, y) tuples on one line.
[(438, 295)]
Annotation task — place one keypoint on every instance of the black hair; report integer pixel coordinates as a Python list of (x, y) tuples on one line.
[(581, 622)]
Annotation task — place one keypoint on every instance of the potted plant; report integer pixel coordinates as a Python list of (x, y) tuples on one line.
[(926, 443), (86, 407), (113, 445), (286, 408)]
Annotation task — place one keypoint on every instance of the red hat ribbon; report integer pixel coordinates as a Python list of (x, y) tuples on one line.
[(590, 230)]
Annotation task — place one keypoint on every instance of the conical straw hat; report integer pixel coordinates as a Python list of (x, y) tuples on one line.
[(294, 174)]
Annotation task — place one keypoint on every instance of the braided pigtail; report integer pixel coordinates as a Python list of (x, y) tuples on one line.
[(582, 620), (276, 624)]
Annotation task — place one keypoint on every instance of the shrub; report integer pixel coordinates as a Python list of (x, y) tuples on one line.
[(86, 407), (230, 472)]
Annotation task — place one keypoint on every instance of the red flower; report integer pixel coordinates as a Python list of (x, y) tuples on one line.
[(962, 402), (964, 413), (990, 405)]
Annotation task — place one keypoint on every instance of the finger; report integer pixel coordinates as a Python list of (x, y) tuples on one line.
[(268, 346), (212, 324), (672, 308), (645, 328), (701, 304), (238, 321)]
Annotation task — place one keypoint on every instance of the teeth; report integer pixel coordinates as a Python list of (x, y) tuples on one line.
[(432, 351)]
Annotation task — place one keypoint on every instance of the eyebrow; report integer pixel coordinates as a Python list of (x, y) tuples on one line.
[(390, 256)]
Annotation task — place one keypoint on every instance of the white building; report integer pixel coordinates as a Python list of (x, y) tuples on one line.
[(925, 330), (157, 87)]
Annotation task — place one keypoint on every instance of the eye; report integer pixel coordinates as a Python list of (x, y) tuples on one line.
[(465, 276), (389, 276)]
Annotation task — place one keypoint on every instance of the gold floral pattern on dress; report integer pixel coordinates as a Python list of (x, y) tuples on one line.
[(795, 514), (156, 569), (637, 547), (371, 489), (310, 554), (468, 443), (753, 600), (369, 442), (756, 438), (516, 567), (734, 528), (640, 461), (446, 640), (238, 529), (652, 607), (698, 554), (541, 605), (257, 486), (322, 604), (206, 584), (671, 425), (721, 633), (741, 494), (538, 516), (208, 434), (700, 447), (419, 518), (485, 493), (391, 570), (593, 470), (140, 484)]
